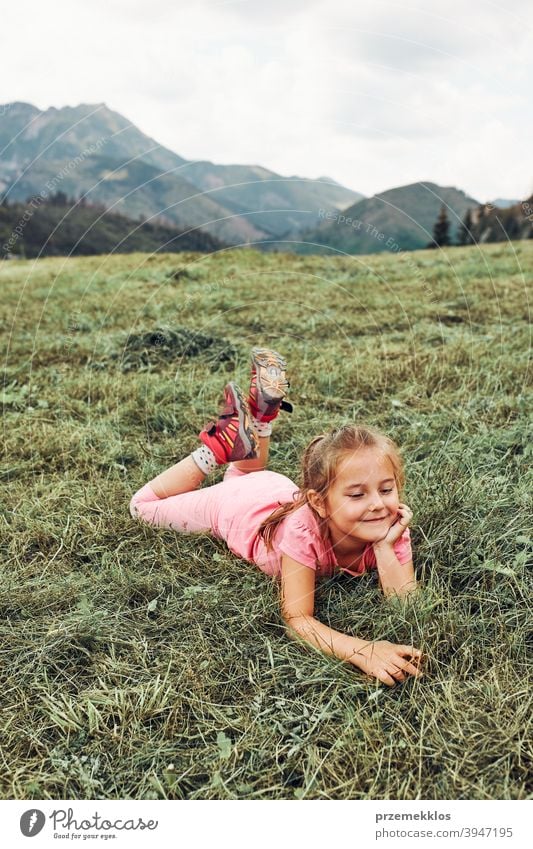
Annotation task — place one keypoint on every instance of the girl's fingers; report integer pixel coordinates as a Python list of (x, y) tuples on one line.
[(412, 670), (412, 665), (410, 650), (386, 678), (396, 673), (383, 675), (405, 515)]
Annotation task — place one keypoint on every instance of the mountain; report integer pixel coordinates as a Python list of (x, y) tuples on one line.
[(59, 227), (135, 189), (503, 203), (273, 203), (398, 219), (63, 134), (93, 151)]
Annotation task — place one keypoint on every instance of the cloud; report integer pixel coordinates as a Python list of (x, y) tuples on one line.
[(374, 95)]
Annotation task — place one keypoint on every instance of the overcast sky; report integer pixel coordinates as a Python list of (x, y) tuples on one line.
[(372, 93)]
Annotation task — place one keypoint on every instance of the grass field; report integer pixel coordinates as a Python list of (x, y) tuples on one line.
[(137, 663)]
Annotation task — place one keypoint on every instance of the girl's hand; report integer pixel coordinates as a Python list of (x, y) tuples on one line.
[(398, 527), (388, 662)]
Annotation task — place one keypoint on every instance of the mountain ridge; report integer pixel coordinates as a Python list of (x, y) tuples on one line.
[(238, 204), (401, 218)]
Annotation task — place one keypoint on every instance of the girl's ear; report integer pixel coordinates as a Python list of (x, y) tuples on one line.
[(316, 502)]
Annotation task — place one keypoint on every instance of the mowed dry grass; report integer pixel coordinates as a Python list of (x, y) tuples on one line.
[(137, 663)]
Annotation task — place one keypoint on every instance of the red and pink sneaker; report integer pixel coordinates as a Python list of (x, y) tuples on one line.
[(268, 385), (232, 436)]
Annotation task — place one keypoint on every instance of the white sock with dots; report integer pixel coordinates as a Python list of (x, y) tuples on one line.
[(262, 428), (205, 459)]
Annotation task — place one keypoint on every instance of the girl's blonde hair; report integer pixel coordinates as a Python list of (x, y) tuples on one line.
[(319, 465)]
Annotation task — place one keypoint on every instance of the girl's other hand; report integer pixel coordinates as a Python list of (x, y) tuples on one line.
[(395, 531), (389, 662)]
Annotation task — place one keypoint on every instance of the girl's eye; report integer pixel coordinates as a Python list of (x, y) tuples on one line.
[(360, 494)]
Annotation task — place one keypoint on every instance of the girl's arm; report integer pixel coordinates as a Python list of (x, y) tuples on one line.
[(395, 578), (386, 661), (297, 607)]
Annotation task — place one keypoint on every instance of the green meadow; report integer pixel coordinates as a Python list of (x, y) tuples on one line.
[(139, 663)]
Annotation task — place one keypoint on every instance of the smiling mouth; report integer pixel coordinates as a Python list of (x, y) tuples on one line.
[(376, 520)]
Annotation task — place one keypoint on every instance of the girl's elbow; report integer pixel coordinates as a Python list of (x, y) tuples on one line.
[(296, 625), (409, 590)]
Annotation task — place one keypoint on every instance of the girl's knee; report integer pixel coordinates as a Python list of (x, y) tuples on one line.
[(134, 511), (142, 496)]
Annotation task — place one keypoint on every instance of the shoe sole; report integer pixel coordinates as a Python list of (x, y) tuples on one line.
[(246, 429), (272, 387)]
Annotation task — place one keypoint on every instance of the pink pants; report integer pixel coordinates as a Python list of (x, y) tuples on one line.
[(231, 510)]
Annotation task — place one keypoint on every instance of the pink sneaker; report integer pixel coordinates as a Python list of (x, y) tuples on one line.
[(232, 436), (268, 385)]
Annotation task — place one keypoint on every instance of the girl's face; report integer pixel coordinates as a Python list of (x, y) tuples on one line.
[(362, 502)]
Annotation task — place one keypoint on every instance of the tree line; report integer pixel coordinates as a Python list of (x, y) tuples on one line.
[(63, 226), (485, 223)]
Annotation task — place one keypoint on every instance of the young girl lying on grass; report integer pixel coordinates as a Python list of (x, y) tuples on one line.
[(347, 515)]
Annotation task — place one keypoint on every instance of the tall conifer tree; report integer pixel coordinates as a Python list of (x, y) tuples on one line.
[(441, 230)]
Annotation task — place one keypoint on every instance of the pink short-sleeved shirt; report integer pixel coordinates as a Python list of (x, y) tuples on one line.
[(251, 498), (234, 510)]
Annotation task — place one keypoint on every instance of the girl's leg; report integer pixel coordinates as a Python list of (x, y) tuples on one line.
[(170, 499), (186, 476), (182, 477), (268, 387), (226, 441), (257, 464), (230, 437), (186, 512)]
